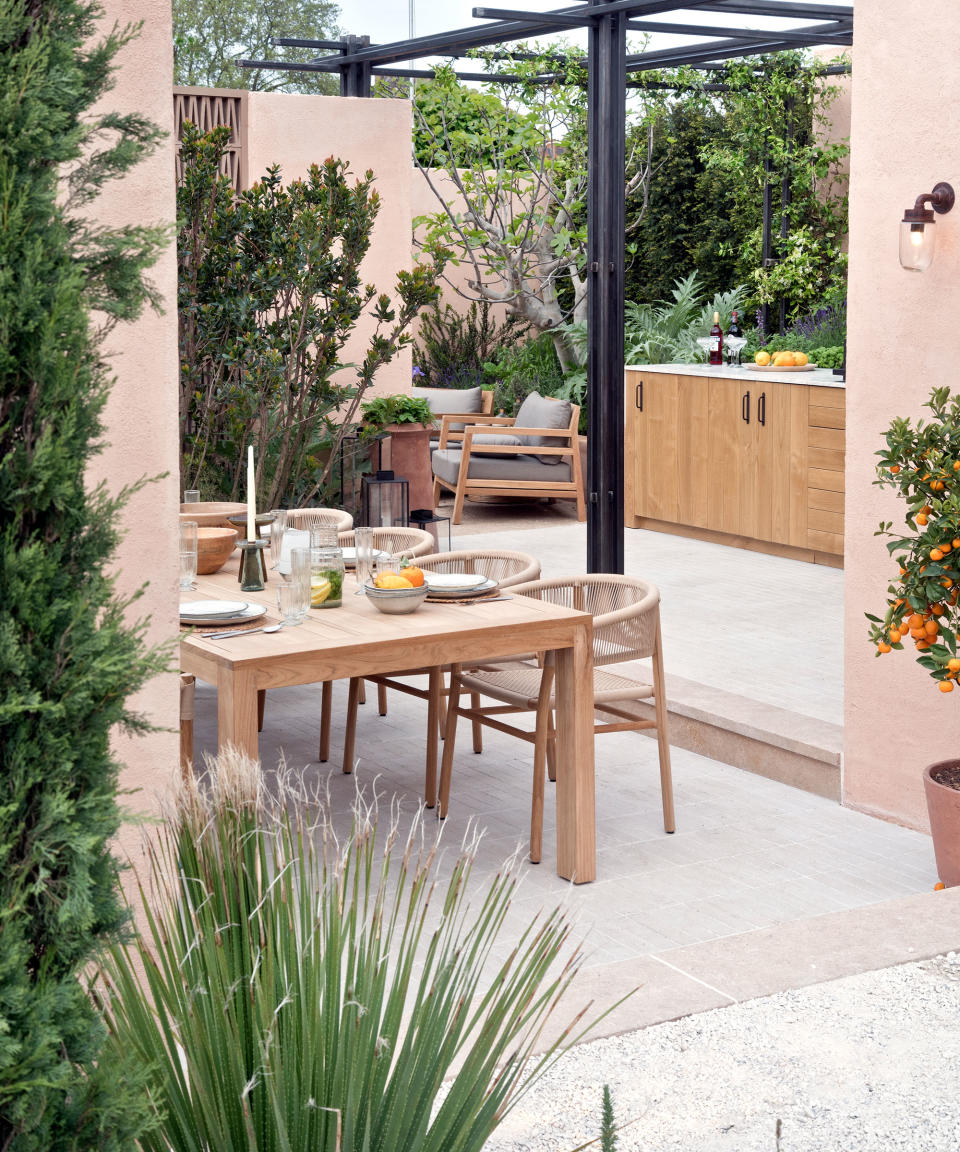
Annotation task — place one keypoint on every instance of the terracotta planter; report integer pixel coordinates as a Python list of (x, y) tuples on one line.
[(943, 804), (410, 459)]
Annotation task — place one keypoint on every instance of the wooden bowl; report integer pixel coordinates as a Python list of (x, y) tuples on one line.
[(211, 513), (214, 546)]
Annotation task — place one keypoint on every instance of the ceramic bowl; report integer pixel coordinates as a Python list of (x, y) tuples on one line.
[(396, 601), (214, 546), (211, 514)]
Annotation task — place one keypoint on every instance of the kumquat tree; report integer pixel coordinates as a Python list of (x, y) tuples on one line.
[(922, 462)]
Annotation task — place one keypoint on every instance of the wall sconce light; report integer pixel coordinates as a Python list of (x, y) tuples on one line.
[(918, 236)]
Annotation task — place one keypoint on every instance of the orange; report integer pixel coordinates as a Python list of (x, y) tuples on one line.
[(945, 685), (894, 469), (922, 645), (921, 519), (932, 628), (936, 555), (916, 620), (956, 542), (412, 575), (894, 636), (937, 609), (881, 647), (954, 664), (939, 886)]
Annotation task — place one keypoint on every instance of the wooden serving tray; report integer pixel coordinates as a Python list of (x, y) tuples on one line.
[(781, 367)]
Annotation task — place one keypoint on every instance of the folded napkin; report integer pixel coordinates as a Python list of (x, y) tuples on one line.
[(292, 538)]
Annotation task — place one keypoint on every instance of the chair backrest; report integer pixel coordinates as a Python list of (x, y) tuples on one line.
[(307, 518), (625, 611), (507, 568), (396, 541)]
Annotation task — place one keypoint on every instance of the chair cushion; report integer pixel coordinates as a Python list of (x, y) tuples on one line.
[(444, 401), (504, 441), (446, 465), (538, 411)]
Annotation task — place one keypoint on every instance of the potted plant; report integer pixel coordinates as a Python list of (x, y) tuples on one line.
[(921, 461), (408, 420)]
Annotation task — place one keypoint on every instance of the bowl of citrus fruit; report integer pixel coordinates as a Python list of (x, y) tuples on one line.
[(397, 593), (778, 361)]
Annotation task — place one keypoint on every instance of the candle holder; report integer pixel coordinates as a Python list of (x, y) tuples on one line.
[(253, 568), (261, 521)]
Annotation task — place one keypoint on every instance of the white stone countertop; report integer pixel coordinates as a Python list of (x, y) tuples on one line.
[(819, 377)]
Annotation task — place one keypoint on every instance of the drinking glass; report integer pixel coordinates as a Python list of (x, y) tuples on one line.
[(384, 562), (300, 576), (191, 496), (277, 529), (324, 536), (292, 601), (363, 538), (188, 553)]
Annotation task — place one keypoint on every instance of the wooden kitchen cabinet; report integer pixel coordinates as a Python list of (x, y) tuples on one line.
[(746, 461)]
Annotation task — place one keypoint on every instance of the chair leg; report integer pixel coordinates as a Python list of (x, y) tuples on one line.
[(663, 740), (477, 726), (261, 705), (539, 766), (551, 749), (382, 699), (433, 735), (326, 708), (449, 739), (350, 733), (460, 493), (188, 696)]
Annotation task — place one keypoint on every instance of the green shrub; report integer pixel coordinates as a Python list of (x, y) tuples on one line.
[(453, 347), (329, 992), (69, 661), (524, 368)]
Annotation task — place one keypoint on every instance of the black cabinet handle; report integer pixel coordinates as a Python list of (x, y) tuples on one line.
[(638, 399), (745, 407), (762, 408)]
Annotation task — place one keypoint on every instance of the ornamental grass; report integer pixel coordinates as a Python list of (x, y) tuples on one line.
[(301, 989)]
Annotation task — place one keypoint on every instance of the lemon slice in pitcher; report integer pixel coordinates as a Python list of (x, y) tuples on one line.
[(319, 590)]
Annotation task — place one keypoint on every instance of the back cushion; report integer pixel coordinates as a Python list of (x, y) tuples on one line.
[(444, 401), (544, 412)]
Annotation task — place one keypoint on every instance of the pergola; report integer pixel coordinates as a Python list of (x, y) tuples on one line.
[(608, 67)]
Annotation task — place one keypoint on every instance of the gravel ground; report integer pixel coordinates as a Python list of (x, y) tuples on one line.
[(870, 1063)]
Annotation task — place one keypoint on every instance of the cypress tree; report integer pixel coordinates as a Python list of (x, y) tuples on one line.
[(68, 658)]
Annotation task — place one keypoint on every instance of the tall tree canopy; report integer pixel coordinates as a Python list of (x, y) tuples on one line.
[(209, 34)]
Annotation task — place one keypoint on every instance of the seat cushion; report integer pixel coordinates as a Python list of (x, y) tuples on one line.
[(446, 465), (444, 401), (538, 411), (503, 441)]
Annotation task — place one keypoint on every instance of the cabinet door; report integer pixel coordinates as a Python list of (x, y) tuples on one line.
[(652, 446), (709, 465), (772, 497)]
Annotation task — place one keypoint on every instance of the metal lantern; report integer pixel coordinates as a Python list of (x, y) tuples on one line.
[(385, 501), (437, 526)]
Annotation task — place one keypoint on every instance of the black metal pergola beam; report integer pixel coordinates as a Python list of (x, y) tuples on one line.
[(608, 67)]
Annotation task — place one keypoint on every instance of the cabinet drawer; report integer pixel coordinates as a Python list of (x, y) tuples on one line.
[(820, 521), (831, 542), (824, 417), (829, 458), (828, 397), (824, 501), (822, 478), (831, 438)]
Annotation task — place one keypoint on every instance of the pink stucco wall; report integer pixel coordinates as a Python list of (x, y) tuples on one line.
[(902, 340), (296, 131), (141, 415)]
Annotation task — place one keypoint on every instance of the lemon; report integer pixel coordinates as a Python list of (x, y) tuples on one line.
[(319, 591), (391, 580), (762, 358), (800, 359)]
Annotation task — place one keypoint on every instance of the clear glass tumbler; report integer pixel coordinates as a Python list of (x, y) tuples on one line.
[(363, 538), (292, 602), (188, 553), (277, 529), (324, 536), (191, 496), (300, 576)]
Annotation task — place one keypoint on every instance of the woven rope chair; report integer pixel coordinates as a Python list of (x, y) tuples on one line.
[(188, 713), (397, 541), (307, 518), (626, 626), (509, 569)]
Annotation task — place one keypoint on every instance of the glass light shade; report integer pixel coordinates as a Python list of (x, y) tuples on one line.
[(918, 241)]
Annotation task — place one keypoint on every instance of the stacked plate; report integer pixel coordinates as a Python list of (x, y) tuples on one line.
[(350, 556), (219, 611), (457, 585)]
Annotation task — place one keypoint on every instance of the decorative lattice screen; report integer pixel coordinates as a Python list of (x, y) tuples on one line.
[(209, 108)]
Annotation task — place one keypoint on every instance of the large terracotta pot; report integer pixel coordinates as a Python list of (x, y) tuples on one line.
[(410, 460), (943, 804)]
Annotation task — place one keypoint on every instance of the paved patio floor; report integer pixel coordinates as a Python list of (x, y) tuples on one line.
[(753, 860)]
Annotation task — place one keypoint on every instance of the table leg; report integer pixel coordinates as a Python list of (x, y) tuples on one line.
[(237, 711), (576, 818)]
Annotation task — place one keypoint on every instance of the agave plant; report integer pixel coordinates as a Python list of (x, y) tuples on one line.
[(298, 990)]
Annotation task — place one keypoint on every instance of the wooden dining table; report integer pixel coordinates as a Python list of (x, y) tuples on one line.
[(358, 640)]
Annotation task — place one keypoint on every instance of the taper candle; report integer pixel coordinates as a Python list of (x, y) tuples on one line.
[(251, 497)]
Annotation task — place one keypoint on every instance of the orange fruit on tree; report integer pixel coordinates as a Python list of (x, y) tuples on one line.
[(939, 886), (894, 469), (881, 647), (413, 575), (936, 555), (945, 685), (916, 620), (894, 636), (932, 628), (937, 609), (922, 645)]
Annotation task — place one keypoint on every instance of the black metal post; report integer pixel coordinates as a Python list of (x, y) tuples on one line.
[(355, 76), (606, 117), (786, 198)]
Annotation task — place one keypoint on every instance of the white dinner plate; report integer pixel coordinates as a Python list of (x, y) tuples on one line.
[(250, 612), (461, 593), (191, 608), (350, 556), (453, 581)]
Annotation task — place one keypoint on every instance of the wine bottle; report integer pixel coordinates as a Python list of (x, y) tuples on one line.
[(716, 341), (734, 329)]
